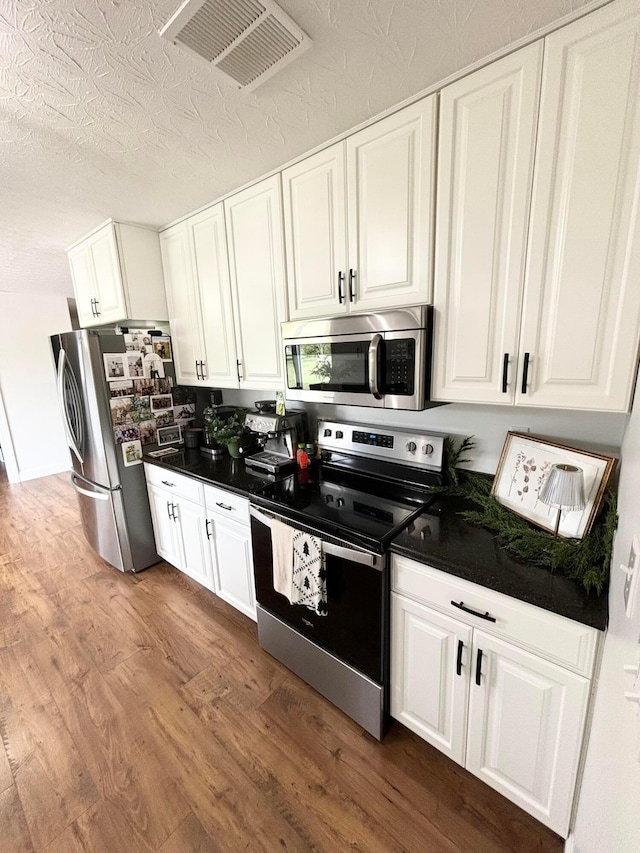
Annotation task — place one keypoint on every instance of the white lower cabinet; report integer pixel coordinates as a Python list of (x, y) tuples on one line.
[(180, 523), (205, 532), (492, 700), (229, 533)]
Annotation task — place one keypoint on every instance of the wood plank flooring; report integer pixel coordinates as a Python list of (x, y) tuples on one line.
[(138, 714)]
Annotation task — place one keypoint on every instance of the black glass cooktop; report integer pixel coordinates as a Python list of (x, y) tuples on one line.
[(352, 508)]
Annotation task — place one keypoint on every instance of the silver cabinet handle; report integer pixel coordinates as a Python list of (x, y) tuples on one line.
[(374, 347), (224, 506), (206, 527), (167, 483)]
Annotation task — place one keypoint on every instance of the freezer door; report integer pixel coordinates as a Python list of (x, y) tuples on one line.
[(101, 511), (85, 407)]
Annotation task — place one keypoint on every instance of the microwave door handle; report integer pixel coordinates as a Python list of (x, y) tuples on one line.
[(374, 348)]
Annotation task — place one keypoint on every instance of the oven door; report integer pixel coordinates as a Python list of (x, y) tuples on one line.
[(355, 625)]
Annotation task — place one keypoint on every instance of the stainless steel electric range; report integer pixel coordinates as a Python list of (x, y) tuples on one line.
[(369, 485)]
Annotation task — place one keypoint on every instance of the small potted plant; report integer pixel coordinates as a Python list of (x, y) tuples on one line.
[(224, 431)]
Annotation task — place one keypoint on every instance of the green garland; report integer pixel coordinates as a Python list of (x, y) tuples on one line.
[(586, 560)]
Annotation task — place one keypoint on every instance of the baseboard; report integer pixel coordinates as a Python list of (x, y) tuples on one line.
[(43, 471)]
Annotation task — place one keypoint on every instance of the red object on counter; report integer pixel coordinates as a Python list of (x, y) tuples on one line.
[(302, 457)]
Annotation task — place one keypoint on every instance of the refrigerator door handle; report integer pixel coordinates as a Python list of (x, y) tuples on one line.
[(65, 419), (96, 496)]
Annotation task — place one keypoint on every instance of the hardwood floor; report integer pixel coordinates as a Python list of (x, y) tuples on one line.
[(138, 713)]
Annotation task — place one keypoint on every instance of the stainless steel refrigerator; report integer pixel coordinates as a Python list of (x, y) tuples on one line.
[(112, 497)]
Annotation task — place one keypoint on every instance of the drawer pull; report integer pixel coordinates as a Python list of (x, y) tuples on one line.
[(479, 667), (167, 483), (460, 606), (224, 506), (459, 658)]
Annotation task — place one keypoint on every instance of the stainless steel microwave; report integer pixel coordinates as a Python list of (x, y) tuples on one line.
[(381, 360)]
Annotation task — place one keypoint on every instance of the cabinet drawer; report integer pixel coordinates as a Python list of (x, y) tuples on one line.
[(176, 484), (556, 638), (226, 504)]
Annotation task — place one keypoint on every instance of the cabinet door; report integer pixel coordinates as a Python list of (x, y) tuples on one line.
[(211, 272), (111, 303), (184, 315), (314, 199), (84, 285), (196, 558), (390, 168), (165, 528), (526, 719), (582, 300), (256, 258), (428, 693), (234, 565), (485, 165)]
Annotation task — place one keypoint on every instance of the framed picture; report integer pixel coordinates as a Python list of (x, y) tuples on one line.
[(169, 435), (523, 468)]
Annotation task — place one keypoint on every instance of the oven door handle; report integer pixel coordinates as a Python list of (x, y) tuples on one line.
[(364, 558), (374, 348)]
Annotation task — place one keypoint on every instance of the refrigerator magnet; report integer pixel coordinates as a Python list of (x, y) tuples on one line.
[(131, 453)]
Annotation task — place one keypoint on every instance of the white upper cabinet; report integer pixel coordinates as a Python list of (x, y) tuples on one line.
[(568, 337), (194, 255), (390, 179), (581, 317), (485, 167), (182, 297), (359, 218), (316, 234), (117, 275), (256, 259)]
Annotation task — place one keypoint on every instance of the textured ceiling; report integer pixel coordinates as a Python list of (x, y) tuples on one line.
[(100, 117)]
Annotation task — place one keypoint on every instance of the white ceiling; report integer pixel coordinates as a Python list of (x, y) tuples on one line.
[(100, 117)]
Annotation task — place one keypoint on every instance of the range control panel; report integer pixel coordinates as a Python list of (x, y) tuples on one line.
[(424, 450)]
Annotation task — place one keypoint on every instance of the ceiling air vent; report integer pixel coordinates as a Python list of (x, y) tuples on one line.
[(249, 40)]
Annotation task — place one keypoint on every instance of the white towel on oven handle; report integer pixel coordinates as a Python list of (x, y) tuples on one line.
[(282, 550), (309, 574)]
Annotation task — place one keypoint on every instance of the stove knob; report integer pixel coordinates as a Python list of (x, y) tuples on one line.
[(329, 499), (327, 432), (339, 433), (411, 446), (427, 449), (340, 501)]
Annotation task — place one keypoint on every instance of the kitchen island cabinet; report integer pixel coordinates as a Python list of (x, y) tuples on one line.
[(359, 218), (117, 275)]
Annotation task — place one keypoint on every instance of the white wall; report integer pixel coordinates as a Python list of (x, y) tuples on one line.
[(608, 815), (489, 424), (27, 381)]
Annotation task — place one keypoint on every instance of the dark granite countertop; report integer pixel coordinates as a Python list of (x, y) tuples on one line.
[(441, 538), (226, 472)]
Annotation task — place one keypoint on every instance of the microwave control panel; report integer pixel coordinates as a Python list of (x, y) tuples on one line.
[(400, 359)]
